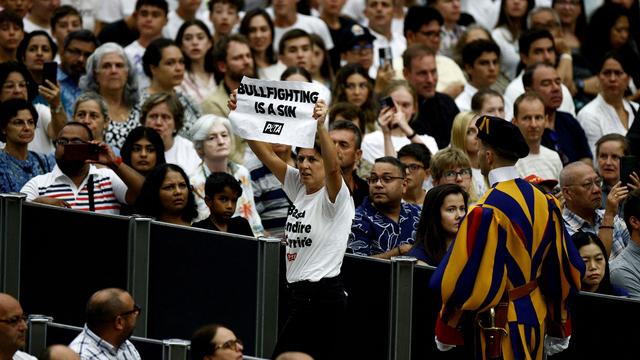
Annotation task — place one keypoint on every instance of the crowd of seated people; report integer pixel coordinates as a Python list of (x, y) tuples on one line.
[(147, 87)]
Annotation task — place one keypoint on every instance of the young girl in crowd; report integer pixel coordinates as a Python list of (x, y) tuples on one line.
[(195, 41), (353, 85), (442, 211), (512, 21), (488, 102), (257, 26), (143, 150)]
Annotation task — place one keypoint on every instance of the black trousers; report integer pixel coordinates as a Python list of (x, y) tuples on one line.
[(316, 321)]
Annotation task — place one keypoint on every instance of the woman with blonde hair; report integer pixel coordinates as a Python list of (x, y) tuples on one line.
[(464, 136)]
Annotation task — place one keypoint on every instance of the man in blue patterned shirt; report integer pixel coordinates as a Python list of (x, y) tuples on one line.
[(111, 318), (384, 225), (581, 188)]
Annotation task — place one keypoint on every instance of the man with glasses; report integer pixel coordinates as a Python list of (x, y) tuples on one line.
[(582, 191), (77, 48), (111, 319), (511, 241), (451, 166), (76, 183), (384, 225), (416, 158), (13, 329)]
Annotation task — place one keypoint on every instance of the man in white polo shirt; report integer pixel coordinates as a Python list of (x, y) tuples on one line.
[(78, 184)]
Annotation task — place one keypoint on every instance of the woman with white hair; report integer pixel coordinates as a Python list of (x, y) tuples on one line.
[(110, 74), (213, 140)]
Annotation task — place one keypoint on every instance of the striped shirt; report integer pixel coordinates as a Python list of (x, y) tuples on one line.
[(91, 347), (108, 190), (621, 236)]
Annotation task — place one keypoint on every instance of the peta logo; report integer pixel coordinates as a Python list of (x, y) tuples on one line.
[(273, 128)]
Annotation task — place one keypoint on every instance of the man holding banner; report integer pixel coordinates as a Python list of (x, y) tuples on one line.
[(319, 220)]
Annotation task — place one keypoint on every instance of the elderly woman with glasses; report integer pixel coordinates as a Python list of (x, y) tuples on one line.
[(110, 74)]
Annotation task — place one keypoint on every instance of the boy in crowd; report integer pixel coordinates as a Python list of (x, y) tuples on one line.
[(65, 20), (11, 33), (224, 16), (150, 17), (221, 196)]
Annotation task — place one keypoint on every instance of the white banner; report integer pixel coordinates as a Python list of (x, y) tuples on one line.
[(279, 112)]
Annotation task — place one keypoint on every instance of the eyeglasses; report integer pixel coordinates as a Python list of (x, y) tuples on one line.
[(15, 320), (136, 310), (431, 34), (589, 184), (65, 141), (452, 174), (414, 167), (234, 345), (385, 179)]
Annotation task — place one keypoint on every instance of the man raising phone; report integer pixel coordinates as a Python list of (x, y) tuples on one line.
[(77, 183)]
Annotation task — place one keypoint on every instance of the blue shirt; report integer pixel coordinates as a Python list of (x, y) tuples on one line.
[(568, 139), (374, 233), (14, 173), (621, 236), (69, 92)]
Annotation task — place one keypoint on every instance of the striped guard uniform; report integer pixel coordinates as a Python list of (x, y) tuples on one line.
[(513, 235)]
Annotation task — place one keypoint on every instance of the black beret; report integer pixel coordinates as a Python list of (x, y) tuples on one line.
[(502, 135)]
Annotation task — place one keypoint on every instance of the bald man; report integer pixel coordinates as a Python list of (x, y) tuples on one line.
[(59, 352), (13, 329), (582, 191), (111, 319), (294, 355)]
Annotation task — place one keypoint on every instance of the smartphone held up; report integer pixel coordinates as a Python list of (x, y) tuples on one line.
[(81, 151)]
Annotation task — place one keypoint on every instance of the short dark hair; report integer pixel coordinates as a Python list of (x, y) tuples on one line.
[(6, 68), (527, 77), (202, 341), (503, 154), (530, 36), (418, 16), (148, 202), (62, 11), (222, 46), (153, 54), (142, 132), (617, 55), (614, 137), (417, 151), (415, 51), (81, 35), (631, 207), (11, 17), (347, 110), (393, 161), (473, 50), (238, 4), (78, 124), (161, 4), (9, 109), (350, 126), (22, 47), (290, 35), (217, 181), (526, 96)]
